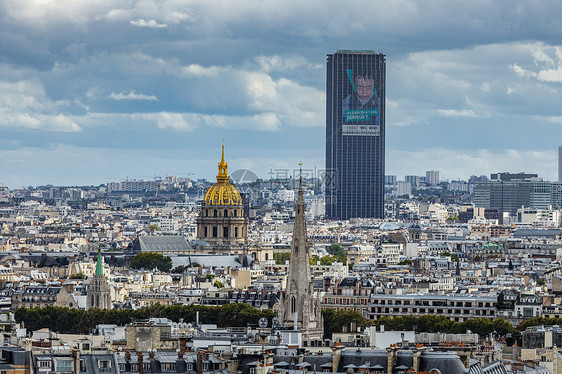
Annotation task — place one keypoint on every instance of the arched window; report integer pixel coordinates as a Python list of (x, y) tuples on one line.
[(235, 213), (215, 213), (226, 213), (236, 232)]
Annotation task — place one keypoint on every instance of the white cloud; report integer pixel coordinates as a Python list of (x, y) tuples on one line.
[(284, 63), (199, 71), (547, 63), (176, 121), (550, 75), (454, 84), (132, 96), (266, 122), (551, 119), (462, 113), (257, 122), (24, 104), (36, 121), (150, 23), (297, 105), (522, 72), (252, 92)]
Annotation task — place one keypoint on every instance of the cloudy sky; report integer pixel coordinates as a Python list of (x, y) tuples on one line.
[(97, 91)]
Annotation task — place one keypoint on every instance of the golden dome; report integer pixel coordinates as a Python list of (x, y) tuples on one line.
[(222, 192)]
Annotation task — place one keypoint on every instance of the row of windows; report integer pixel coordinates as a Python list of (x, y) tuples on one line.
[(346, 301), (217, 213), (467, 304), (224, 232), (164, 366), (66, 365), (379, 310), (38, 298)]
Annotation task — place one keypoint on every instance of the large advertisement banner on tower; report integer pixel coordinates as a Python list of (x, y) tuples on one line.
[(361, 104), (355, 132)]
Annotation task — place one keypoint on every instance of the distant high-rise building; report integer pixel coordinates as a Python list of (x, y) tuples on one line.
[(414, 180), (556, 195), (511, 194), (432, 177), (133, 186), (355, 134), (403, 188), (512, 176), (474, 179), (559, 164), (390, 180)]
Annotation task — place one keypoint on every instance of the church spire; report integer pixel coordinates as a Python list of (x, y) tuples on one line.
[(299, 230), (99, 290), (99, 265), (299, 277), (300, 306)]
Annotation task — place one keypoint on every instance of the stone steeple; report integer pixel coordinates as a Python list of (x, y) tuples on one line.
[(99, 291), (300, 305)]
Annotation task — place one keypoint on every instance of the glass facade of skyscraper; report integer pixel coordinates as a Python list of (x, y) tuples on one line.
[(355, 117)]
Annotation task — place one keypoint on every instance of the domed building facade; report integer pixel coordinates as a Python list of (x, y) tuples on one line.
[(222, 221)]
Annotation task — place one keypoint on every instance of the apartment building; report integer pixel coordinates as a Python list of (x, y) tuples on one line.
[(455, 307), (350, 294)]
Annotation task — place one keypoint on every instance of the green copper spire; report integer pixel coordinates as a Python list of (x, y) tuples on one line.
[(99, 266)]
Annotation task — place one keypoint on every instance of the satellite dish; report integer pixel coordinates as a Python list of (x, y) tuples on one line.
[(262, 322)]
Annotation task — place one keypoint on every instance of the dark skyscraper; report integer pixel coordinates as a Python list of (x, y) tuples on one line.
[(355, 117)]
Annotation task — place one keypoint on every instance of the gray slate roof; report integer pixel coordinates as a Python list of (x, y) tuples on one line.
[(161, 244)]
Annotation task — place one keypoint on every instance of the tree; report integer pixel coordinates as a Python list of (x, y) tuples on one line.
[(153, 227), (334, 321), (453, 256), (339, 253), (313, 260), (218, 284), (79, 275), (150, 260), (62, 261), (405, 262), (537, 321), (281, 257), (75, 321), (179, 269), (324, 260)]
